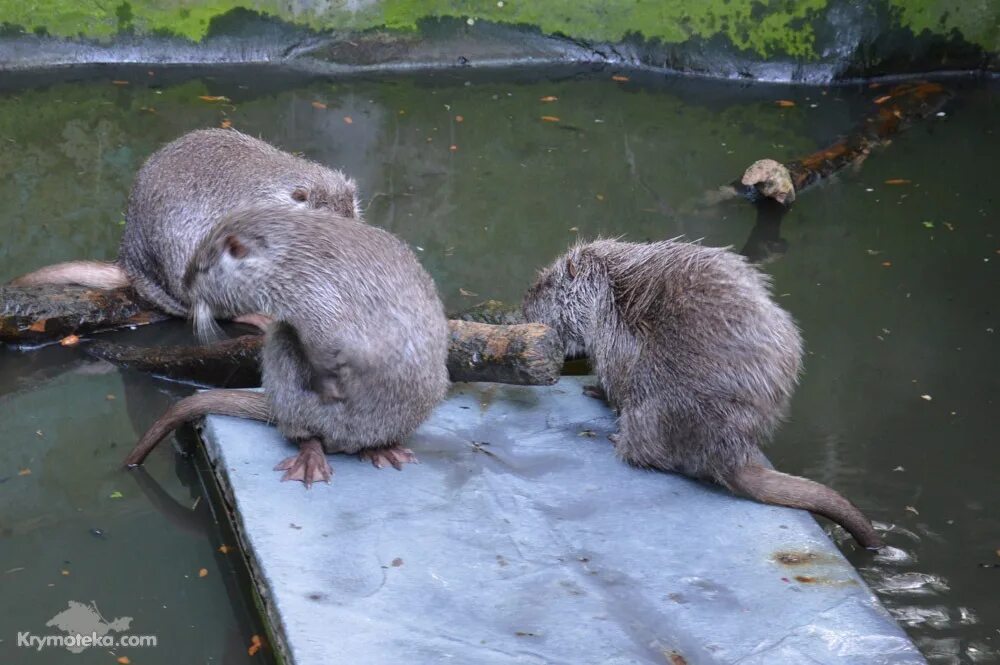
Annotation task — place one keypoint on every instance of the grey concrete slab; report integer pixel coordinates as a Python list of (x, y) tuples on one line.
[(519, 538)]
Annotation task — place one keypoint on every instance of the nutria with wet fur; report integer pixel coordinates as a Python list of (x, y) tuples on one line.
[(356, 357), (700, 362), (181, 192)]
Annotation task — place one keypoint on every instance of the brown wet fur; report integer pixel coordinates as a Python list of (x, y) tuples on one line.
[(699, 360), (782, 489), (237, 403)]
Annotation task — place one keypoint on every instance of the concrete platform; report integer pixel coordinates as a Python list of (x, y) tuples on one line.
[(521, 539)]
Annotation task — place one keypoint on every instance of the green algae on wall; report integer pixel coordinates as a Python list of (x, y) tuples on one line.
[(765, 28), (977, 21)]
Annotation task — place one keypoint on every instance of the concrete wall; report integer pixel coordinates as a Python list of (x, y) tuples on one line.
[(769, 39)]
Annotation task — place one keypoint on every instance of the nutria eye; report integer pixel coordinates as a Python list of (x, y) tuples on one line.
[(300, 195)]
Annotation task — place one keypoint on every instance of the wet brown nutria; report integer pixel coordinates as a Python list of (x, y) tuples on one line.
[(178, 196), (356, 357), (697, 358)]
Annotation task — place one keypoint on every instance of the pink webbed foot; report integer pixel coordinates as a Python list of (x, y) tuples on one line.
[(261, 321), (396, 456), (308, 466)]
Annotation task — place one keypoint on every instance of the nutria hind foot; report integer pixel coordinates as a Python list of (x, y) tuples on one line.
[(395, 455), (595, 391), (308, 466)]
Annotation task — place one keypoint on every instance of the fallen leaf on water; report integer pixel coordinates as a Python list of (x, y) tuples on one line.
[(255, 645), (225, 549), (65, 573), (926, 398), (116, 495), (599, 197), (785, 103), (318, 105), (203, 572), (912, 510), (883, 99), (459, 118), (467, 293), (873, 252), (119, 82), (123, 660), (574, 228), (887, 264), (550, 118), (38, 432), (619, 78), (226, 124), (897, 181), (213, 98), (147, 109), (928, 224), (948, 226), (453, 148), (899, 468), (69, 340), (348, 119), (549, 98), (589, 433), (397, 562), (24, 472), (110, 397)]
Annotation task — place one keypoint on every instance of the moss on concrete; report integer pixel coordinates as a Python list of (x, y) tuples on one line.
[(977, 22), (760, 28)]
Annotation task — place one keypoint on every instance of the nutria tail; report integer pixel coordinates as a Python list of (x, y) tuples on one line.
[(780, 489), (95, 274), (237, 403)]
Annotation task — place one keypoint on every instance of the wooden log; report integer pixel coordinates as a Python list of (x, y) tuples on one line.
[(519, 353), (39, 314), (526, 354), (230, 363), (895, 110)]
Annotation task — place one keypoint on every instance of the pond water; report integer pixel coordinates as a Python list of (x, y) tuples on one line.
[(894, 287)]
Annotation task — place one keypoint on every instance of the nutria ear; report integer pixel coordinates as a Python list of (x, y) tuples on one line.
[(235, 247), (570, 267), (299, 194)]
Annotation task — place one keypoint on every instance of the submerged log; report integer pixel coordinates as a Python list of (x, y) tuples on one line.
[(232, 363), (521, 353), (896, 110)]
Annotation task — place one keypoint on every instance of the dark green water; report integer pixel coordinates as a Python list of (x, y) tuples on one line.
[(631, 160)]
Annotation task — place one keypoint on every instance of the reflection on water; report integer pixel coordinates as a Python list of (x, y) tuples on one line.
[(489, 178)]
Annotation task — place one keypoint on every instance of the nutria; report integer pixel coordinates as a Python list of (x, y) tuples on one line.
[(700, 362), (181, 192), (355, 358)]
